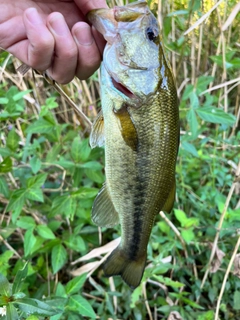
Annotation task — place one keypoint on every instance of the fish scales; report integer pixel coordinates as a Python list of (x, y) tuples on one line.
[(141, 134)]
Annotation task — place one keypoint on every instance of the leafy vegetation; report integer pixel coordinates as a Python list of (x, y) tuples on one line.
[(49, 177)]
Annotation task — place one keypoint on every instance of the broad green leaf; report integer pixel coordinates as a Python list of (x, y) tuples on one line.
[(35, 306), (36, 181), (85, 193), (57, 317), (235, 63), (75, 243), (168, 282), (203, 82), (186, 94), (193, 123), (194, 102), (209, 315), (35, 194), (35, 164), (29, 242), (32, 318), (4, 100), (94, 165), (216, 115), (19, 279), (76, 149), (37, 245), (17, 200), (20, 95), (13, 140), (5, 152), (80, 150), (54, 153), (45, 232), (163, 226), (40, 126), (19, 295), (50, 104), (96, 176), (4, 286), (12, 313), (59, 257), (4, 262), (189, 148), (6, 165), (188, 235), (80, 305), (181, 216), (219, 60), (61, 205), (191, 303), (66, 164), (4, 187), (26, 222), (136, 296), (191, 222), (74, 285), (236, 300), (60, 291)]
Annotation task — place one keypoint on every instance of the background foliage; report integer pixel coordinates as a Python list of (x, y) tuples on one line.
[(49, 177)]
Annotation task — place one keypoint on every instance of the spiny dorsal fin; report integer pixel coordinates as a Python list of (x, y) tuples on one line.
[(97, 138), (103, 211)]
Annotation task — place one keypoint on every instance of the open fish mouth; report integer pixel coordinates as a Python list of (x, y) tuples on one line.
[(120, 87)]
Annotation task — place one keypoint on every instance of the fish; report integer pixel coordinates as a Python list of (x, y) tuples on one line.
[(139, 126)]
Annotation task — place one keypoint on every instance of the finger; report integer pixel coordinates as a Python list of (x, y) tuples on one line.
[(86, 5), (66, 53), (100, 41), (89, 57), (38, 50), (8, 37)]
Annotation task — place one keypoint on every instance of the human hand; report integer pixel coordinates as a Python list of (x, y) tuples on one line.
[(52, 35)]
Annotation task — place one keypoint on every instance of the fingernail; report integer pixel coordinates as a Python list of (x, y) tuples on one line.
[(33, 16), (58, 25), (83, 35)]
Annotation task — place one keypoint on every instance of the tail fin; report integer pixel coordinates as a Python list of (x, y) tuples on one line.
[(119, 263)]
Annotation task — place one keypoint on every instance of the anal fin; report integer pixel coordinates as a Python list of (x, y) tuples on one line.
[(103, 211)]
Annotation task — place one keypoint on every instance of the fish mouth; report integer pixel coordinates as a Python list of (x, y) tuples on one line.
[(107, 21), (120, 87)]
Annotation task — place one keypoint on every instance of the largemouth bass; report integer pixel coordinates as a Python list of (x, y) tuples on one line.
[(139, 125)]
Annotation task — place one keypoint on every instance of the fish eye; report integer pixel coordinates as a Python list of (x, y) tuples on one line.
[(151, 34)]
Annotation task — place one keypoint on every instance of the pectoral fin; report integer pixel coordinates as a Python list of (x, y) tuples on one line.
[(170, 200), (97, 138), (128, 130), (103, 211)]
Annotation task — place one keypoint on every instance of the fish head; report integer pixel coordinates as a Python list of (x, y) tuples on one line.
[(132, 53)]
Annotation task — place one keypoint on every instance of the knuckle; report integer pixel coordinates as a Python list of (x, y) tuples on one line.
[(71, 53)]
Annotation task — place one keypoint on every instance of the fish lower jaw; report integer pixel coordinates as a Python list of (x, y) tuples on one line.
[(124, 90)]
